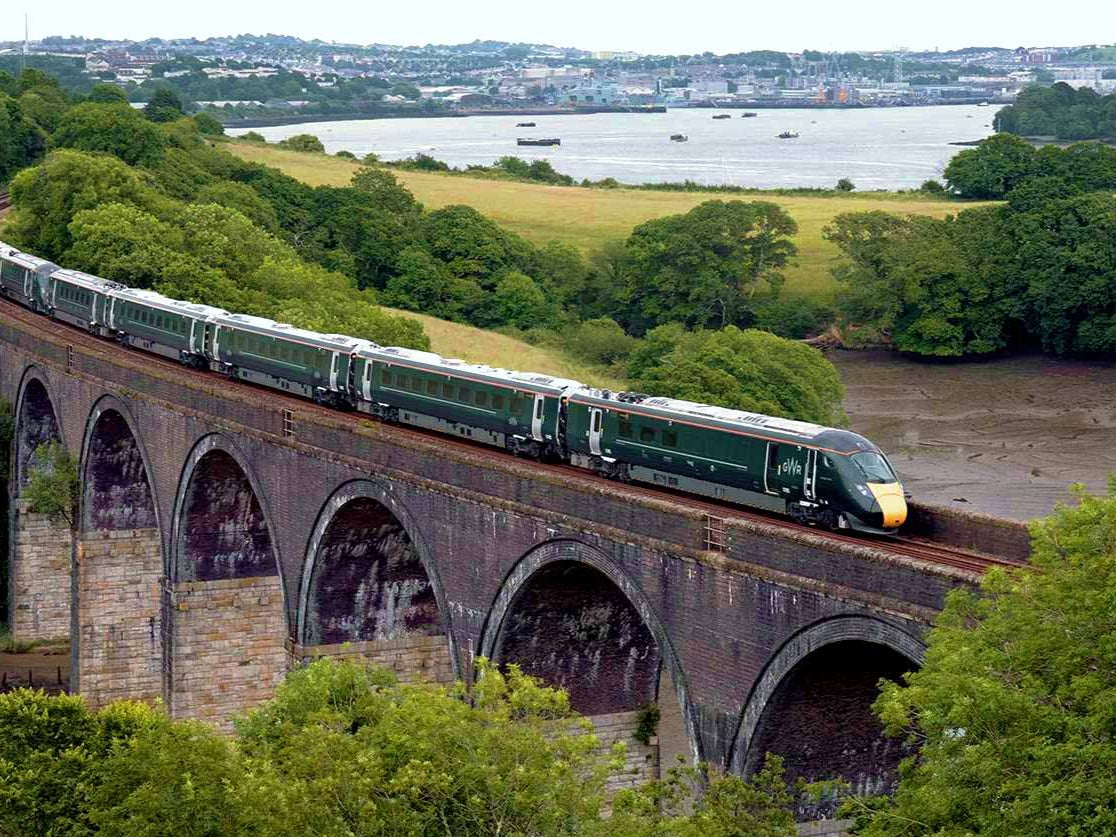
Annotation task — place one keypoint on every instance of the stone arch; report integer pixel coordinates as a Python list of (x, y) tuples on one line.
[(117, 647), (828, 670), (369, 580), (580, 567), (225, 580), (117, 488), (36, 571), (222, 524), (36, 421)]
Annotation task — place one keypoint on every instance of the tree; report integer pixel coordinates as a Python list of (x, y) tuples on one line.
[(747, 370), (243, 199), (386, 192), (115, 129), (1013, 706), (519, 301), (303, 142), (107, 94), (473, 246), (47, 197), (21, 141), (348, 752), (845, 185), (703, 267), (52, 487), (165, 106), (254, 136), (208, 125), (992, 169), (425, 284)]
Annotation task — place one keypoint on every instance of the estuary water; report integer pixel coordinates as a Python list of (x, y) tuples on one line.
[(876, 148)]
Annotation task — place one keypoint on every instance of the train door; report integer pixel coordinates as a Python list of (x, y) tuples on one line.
[(537, 418), (596, 420), (333, 372), (786, 468), (810, 475)]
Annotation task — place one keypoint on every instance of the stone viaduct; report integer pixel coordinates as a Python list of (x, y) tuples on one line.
[(225, 534)]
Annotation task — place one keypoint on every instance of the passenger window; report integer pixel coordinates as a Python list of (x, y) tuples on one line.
[(463, 394), (538, 408), (416, 384), (772, 455), (670, 438), (624, 428), (498, 403), (596, 421), (516, 405), (647, 434), (431, 387), (401, 381), (482, 399), (447, 390)]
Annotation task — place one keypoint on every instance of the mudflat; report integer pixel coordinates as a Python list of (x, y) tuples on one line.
[(1005, 436)]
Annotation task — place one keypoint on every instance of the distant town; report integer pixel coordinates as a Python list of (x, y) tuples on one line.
[(271, 77)]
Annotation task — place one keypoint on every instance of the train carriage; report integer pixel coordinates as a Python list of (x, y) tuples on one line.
[(155, 323), (277, 355), (813, 473), (25, 278), (519, 411), (81, 299)]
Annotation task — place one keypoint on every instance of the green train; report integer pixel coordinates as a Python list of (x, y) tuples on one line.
[(816, 475)]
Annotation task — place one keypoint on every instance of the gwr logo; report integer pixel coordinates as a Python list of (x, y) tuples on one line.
[(789, 468)]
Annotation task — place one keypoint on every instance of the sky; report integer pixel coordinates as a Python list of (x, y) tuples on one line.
[(651, 26)]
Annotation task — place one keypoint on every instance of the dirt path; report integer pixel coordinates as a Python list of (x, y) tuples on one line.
[(45, 668), (1005, 436)]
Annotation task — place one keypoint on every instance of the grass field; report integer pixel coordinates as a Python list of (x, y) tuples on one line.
[(478, 346), (589, 217)]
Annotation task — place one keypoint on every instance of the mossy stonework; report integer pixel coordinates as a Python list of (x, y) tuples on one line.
[(228, 533)]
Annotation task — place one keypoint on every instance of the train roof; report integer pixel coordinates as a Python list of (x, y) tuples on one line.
[(86, 280), (435, 362), (26, 260), (166, 303), (7, 250), (803, 432), (270, 328)]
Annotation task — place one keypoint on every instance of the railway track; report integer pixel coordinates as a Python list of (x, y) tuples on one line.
[(5, 202), (912, 548)]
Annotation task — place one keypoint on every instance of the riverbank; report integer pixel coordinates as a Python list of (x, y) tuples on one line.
[(308, 118), (1005, 436)]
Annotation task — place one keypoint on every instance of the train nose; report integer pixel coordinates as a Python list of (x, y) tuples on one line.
[(889, 497)]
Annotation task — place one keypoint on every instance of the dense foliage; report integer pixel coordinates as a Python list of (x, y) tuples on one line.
[(703, 268), (749, 370), (1014, 708), (1061, 112), (344, 750), (1003, 163), (1035, 271)]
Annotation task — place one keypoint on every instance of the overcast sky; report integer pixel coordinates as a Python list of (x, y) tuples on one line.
[(654, 26)]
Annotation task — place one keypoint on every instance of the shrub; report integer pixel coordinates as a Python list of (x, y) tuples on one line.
[(845, 185)]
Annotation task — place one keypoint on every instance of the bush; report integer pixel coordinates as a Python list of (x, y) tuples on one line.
[(845, 185), (794, 318), (931, 187), (303, 142), (208, 125), (347, 155), (598, 341), (253, 136)]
